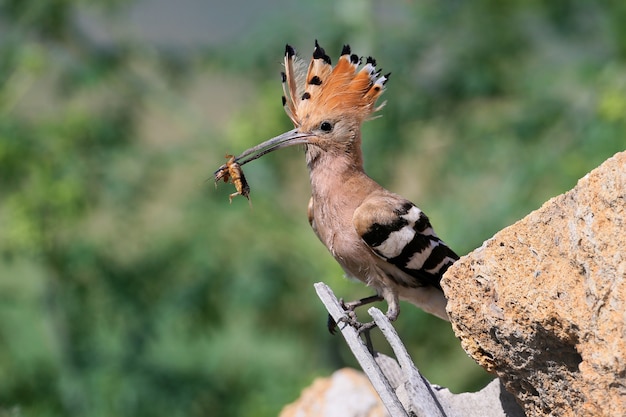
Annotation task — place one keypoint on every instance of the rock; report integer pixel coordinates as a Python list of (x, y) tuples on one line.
[(542, 304), (346, 393), (491, 401)]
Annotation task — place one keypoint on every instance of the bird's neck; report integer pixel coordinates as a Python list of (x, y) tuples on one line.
[(336, 171)]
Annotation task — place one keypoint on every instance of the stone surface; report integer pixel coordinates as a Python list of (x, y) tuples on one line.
[(346, 393), (491, 401), (542, 303)]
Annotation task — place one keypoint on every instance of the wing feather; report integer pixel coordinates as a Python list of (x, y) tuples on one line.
[(400, 233)]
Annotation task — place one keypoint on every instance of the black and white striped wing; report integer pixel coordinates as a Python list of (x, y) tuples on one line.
[(400, 233)]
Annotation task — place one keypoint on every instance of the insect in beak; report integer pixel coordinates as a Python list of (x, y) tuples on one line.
[(232, 171)]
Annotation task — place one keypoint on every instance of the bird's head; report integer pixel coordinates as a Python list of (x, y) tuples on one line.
[(326, 104)]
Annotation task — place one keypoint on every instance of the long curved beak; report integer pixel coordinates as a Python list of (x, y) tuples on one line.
[(292, 137)]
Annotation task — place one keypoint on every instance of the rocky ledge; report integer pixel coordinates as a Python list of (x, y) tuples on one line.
[(542, 303)]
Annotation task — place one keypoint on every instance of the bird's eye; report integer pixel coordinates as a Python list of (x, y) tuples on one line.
[(326, 126)]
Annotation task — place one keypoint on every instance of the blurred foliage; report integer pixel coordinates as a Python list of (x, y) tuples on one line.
[(129, 286)]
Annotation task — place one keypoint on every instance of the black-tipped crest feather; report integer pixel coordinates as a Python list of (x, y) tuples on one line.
[(316, 86)]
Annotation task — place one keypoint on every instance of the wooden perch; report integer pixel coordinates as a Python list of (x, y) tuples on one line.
[(426, 404), (401, 387), (361, 352)]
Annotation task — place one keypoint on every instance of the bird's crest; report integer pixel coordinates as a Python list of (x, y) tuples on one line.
[(318, 86)]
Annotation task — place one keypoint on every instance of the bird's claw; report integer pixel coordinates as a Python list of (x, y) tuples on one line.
[(331, 324), (349, 318), (365, 327)]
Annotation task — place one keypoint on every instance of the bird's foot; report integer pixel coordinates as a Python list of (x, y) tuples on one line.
[(351, 320), (350, 317), (365, 327)]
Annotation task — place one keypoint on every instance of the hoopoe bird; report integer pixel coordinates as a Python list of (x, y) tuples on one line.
[(378, 237)]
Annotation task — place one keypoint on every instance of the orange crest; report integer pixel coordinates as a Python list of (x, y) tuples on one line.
[(320, 87)]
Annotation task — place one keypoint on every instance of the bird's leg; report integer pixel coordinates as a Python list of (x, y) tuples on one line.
[(350, 316), (351, 305), (393, 309)]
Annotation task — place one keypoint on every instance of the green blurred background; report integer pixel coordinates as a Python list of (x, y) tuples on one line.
[(129, 286)]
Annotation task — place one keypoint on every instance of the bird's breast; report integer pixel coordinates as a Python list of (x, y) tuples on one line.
[(338, 187), (333, 226)]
